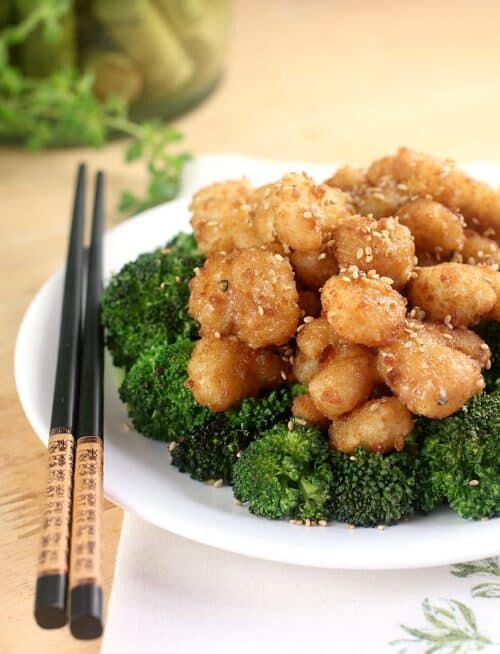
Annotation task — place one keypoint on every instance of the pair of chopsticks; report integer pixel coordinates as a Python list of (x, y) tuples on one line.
[(69, 584)]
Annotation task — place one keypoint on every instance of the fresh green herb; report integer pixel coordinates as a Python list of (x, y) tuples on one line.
[(59, 108)]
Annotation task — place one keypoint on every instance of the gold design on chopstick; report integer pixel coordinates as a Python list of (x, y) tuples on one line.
[(87, 513), (53, 552)]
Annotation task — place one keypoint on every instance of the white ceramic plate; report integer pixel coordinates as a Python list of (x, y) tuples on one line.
[(138, 474)]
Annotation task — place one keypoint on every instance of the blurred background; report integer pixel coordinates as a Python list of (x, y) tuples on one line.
[(137, 86)]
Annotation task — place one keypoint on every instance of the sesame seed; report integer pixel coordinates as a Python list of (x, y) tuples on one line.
[(308, 522), (345, 278), (290, 425), (322, 256), (218, 483), (381, 527), (350, 526), (387, 280), (322, 523), (172, 446), (278, 257), (353, 458), (238, 502), (178, 279), (260, 310), (359, 253), (308, 319), (196, 270), (301, 421), (483, 346), (283, 375), (474, 482), (307, 214), (217, 334)]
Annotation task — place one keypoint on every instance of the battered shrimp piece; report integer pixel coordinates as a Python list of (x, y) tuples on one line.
[(300, 213), (309, 303), (480, 250), (428, 376), (314, 337), (381, 245), (221, 217), (493, 277), (426, 176), (363, 310), (270, 369), (248, 293), (221, 372), (314, 267), (304, 369), (462, 339), (380, 425), (455, 293), (381, 200), (345, 380), (304, 407), (347, 178), (434, 227)]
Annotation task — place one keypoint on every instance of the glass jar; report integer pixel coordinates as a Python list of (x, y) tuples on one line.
[(162, 56)]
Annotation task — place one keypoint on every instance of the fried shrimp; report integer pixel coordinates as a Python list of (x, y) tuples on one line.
[(345, 379), (248, 293), (455, 293), (314, 337), (221, 217), (478, 250), (424, 175), (381, 245), (298, 212), (304, 407), (429, 376), (347, 178), (435, 228), (312, 268), (380, 425), (221, 372), (363, 310), (462, 339)]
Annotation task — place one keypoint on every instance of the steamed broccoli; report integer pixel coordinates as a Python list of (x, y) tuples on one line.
[(285, 474), (211, 450), (490, 332), (372, 489), (146, 302), (462, 453), (159, 404)]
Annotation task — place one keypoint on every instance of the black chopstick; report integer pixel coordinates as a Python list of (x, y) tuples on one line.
[(85, 551), (52, 575)]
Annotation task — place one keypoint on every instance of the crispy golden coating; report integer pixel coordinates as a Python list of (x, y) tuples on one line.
[(347, 178), (424, 176), (379, 426), (304, 407), (221, 372), (221, 217), (455, 293), (478, 250), (314, 267), (493, 278), (345, 380), (381, 200), (462, 339), (298, 212), (309, 303), (435, 228), (363, 310), (249, 293), (314, 337), (381, 245), (304, 369), (428, 376)]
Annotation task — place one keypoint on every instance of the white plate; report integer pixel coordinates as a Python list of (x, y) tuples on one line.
[(138, 474)]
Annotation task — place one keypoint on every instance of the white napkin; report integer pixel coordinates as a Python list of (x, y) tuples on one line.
[(174, 595)]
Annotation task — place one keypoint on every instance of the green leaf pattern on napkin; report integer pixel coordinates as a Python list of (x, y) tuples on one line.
[(451, 626)]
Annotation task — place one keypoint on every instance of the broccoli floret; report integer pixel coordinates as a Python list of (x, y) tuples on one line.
[(159, 404), (285, 474), (490, 332), (211, 451), (372, 489), (146, 302), (260, 414), (462, 453)]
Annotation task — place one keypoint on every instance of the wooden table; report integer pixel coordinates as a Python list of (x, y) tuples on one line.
[(322, 81)]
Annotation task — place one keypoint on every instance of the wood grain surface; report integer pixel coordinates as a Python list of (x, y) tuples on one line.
[(326, 80)]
